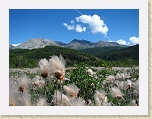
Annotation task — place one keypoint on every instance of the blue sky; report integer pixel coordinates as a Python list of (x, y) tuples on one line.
[(117, 25)]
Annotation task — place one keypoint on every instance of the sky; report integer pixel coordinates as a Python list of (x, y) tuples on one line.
[(64, 25)]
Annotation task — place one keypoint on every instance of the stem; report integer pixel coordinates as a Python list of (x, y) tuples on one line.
[(56, 89), (61, 92)]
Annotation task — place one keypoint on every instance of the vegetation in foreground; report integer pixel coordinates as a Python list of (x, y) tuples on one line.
[(52, 85)]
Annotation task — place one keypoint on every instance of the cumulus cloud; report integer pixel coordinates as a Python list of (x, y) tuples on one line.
[(122, 42), (80, 29), (69, 27), (133, 40), (96, 24)]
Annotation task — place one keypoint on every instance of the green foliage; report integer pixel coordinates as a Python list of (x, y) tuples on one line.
[(19, 58), (108, 56), (86, 83), (115, 53), (98, 51)]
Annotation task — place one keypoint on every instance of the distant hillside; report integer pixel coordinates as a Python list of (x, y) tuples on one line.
[(30, 58), (131, 52), (98, 51), (114, 53)]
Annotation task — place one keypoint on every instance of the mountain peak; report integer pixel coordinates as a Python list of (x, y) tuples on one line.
[(36, 43), (81, 41), (74, 44)]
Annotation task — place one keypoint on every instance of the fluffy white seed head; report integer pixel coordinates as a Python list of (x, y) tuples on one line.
[(57, 66), (134, 103), (100, 94), (97, 100), (121, 85), (43, 64), (90, 72), (105, 102), (77, 102), (23, 83), (72, 90), (57, 99), (129, 84), (110, 79), (115, 92), (41, 102), (25, 99)]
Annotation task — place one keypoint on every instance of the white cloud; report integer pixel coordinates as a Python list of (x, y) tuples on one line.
[(122, 42), (133, 40), (80, 29), (16, 44), (96, 24), (69, 27), (72, 21)]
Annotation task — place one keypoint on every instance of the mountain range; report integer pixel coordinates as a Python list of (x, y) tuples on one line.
[(74, 44)]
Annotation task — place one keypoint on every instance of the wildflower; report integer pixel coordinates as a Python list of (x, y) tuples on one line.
[(97, 100), (57, 66), (110, 79), (12, 100), (43, 63), (116, 82), (120, 76), (136, 85), (25, 99), (134, 103), (90, 72), (89, 102), (57, 69), (78, 102), (121, 85), (58, 101), (41, 102), (115, 92), (100, 94), (71, 90), (129, 84), (105, 102), (23, 83)]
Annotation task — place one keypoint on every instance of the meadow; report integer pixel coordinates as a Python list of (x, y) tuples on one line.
[(54, 84)]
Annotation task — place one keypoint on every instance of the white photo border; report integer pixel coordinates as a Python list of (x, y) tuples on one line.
[(142, 109)]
